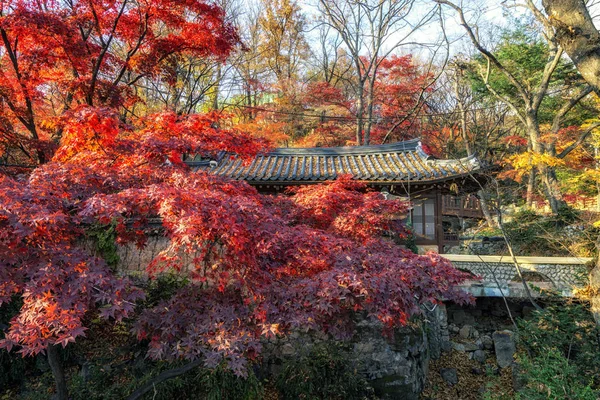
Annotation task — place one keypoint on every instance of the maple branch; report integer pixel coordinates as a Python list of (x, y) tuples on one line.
[(108, 294), (130, 54), (549, 69), (166, 375), (30, 124), (105, 46)]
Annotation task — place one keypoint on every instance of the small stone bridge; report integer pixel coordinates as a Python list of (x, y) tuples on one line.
[(545, 275)]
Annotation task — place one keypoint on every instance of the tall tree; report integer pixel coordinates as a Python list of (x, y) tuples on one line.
[(371, 30), (530, 93), (283, 46)]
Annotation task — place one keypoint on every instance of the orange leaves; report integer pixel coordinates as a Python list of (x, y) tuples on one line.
[(88, 130)]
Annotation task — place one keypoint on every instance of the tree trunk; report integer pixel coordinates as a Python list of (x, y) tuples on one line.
[(485, 209), (359, 115), (530, 188), (370, 105), (464, 132), (547, 174), (577, 35), (58, 372), (552, 189)]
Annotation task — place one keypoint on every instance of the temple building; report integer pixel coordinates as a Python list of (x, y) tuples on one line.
[(438, 189)]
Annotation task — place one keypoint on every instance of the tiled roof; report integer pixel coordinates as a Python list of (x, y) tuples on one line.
[(396, 162)]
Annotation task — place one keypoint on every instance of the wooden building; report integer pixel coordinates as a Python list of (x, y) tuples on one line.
[(400, 170)]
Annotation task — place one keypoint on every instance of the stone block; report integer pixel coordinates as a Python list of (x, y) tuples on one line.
[(505, 347), (470, 346)]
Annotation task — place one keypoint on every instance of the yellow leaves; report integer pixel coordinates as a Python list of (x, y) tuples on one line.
[(525, 162)]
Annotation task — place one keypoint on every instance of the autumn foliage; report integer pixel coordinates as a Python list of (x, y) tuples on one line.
[(260, 265), (57, 55)]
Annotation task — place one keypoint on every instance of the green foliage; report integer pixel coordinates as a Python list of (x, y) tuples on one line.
[(558, 356), (561, 358), (163, 287), (570, 330), (222, 384), (324, 373), (104, 237), (524, 53), (535, 234), (552, 376), (409, 240)]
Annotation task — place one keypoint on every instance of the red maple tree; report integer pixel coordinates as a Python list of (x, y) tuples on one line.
[(260, 265), (57, 55)]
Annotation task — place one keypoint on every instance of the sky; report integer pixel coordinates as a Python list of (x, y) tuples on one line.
[(489, 14)]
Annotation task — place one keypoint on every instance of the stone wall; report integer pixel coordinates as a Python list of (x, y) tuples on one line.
[(396, 367), (134, 261), (563, 274)]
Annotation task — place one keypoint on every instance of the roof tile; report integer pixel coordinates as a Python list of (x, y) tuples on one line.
[(394, 162)]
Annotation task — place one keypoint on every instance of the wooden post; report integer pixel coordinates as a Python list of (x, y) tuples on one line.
[(439, 229)]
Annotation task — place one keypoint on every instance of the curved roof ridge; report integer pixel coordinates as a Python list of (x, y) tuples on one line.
[(408, 145)]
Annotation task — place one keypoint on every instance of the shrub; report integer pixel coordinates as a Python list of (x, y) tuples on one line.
[(552, 376), (561, 357), (535, 234)]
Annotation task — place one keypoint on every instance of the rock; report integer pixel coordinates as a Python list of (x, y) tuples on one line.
[(449, 375), (287, 349), (477, 371), (479, 356), (470, 347), (458, 347), (474, 333), (453, 328), (488, 343), (465, 331), (505, 347)]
